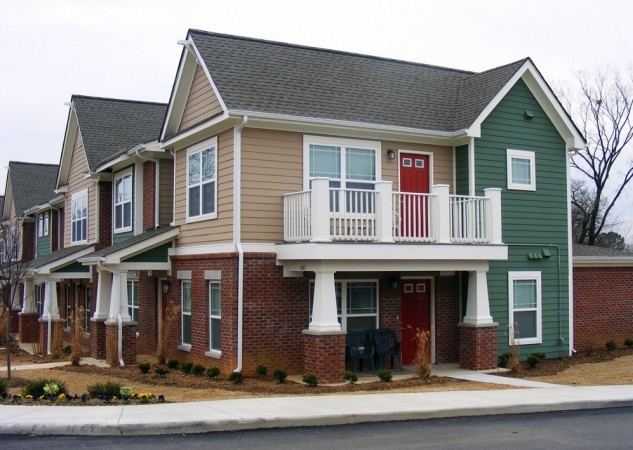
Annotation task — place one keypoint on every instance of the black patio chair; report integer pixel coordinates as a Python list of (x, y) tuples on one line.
[(357, 349), (386, 344)]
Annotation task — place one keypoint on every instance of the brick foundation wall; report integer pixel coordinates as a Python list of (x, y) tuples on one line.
[(98, 339), (129, 343), (324, 356), (602, 306), (43, 333), (478, 347), (149, 206), (29, 328), (446, 319), (148, 314)]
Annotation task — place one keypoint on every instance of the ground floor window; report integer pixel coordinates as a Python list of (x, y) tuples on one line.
[(87, 310), (524, 294), (132, 301), (186, 312), (215, 316), (39, 298), (356, 304), (69, 309)]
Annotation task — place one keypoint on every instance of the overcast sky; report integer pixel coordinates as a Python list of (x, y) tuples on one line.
[(51, 49)]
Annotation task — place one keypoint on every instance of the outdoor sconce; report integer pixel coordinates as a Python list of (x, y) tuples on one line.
[(166, 286), (391, 154)]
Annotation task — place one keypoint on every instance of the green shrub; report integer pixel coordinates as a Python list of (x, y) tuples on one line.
[(143, 367), (261, 370), (172, 363), (611, 345), (628, 343), (186, 367), (109, 389), (280, 375), (504, 360), (35, 388), (350, 376), (540, 355), (161, 371), (213, 372), (236, 377), (197, 369), (3, 387), (384, 375), (310, 380), (533, 360)]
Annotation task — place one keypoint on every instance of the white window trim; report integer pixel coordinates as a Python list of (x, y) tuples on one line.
[(512, 276), (521, 154), (338, 142), (183, 344), (214, 352), (118, 176), (47, 215), (213, 142), (74, 197)]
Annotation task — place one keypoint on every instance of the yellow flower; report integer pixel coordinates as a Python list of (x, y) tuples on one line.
[(61, 397)]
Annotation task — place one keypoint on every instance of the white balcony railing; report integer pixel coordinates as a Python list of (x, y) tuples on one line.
[(324, 214)]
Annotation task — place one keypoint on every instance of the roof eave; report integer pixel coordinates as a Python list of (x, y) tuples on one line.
[(599, 261)]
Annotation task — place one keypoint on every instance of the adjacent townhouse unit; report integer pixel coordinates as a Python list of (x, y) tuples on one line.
[(319, 192)]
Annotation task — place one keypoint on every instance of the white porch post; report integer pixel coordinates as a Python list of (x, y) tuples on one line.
[(441, 213), (384, 207), (104, 292), (28, 302), (478, 305), (320, 210), (324, 316), (118, 299), (493, 215), (51, 308)]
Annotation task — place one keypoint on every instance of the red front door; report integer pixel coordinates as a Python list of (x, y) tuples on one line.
[(413, 209), (415, 313)]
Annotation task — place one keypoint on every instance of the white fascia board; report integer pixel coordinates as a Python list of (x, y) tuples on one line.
[(140, 247), (112, 163), (589, 261), (70, 134), (296, 267), (197, 133), (222, 248), (125, 266), (176, 106), (58, 264), (58, 276)]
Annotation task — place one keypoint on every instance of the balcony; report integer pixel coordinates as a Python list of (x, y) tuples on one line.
[(326, 214)]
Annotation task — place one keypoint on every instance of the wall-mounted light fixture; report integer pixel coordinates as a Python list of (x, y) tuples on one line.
[(528, 115), (393, 283), (391, 154), (166, 286)]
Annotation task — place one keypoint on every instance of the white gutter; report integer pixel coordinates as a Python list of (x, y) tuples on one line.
[(173, 189), (156, 191), (237, 233)]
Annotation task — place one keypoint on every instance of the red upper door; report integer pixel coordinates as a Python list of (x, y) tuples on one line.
[(414, 173), (414, 210)]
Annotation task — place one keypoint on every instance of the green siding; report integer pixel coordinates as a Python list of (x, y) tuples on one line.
[(74, 267), (529, 217), (461, 170), (120, 237), (158, 254), (44, 245)]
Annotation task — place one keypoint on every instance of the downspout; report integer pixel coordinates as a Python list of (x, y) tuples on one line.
[(156, 192), (471, 167), (101, 267), (237, 233), (173, 189)]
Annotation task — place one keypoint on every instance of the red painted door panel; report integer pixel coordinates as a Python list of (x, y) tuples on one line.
[(415, 313), (414, 210)]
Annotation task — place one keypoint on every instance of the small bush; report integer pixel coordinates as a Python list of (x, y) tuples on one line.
[(67, 350), (35, 388), (504, 360), (197, 369), (533, 360), (611, 345), (384, 375), (172, 363), (540, 355), (143, 367), (280, 375), (350, 376), (161, 371), (261, 370), (213, 372), (310, 380), (236, 377), (109, 389), (3, 387), (186, 367), (628, 343)]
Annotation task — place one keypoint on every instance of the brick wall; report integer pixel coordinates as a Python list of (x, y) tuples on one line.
[(148, 314), (55, 227), (149, 206), (98, 339), (324, 356), (603, 309), (104, 216), (28, 240), (478, 347), (446, 319), (29, 327), (129, 343)]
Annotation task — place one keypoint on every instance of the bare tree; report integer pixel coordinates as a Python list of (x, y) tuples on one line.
[(604, 114), (13, 269)]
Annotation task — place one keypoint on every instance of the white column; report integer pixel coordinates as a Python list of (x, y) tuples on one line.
[(384, 207), (104, 292), (51, 308), (320, 210), (441, 213), (324, 316), (28, 302), (118, 299), (478, 305), (493, 215)]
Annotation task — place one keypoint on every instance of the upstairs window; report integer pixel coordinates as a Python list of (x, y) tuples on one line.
[(42, 224), (521, 170), (123, 201), (79, 217), (202, 181)]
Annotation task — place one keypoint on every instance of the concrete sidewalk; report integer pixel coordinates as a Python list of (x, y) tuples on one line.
[(254, 413)]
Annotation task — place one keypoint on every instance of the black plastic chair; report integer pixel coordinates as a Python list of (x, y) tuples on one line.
[(386, 344), (358, 350)]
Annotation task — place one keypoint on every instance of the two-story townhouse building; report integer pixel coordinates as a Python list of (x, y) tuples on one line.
[(319, 192)]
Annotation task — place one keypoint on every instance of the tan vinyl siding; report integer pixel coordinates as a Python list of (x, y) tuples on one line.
[(442, 162), (202, 103), (212, 231), (76, 183), (165, 191), (271, 166)]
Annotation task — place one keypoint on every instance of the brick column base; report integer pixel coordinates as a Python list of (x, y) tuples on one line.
[(478, 347), (97, 339), (129, 343), (324, 355), (29, 327), (43, 339)]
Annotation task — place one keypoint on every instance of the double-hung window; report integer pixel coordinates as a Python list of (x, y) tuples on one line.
[(186, 312), (42, 224), (215, 317), (521, 170), (524, 294), (79, 217), (132, 301), (356, 304), (202, 181), (123, 201), (39, 298)]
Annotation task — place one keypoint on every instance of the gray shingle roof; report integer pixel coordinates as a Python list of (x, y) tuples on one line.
[(271, 77), (129, 242), (592, 251), (57, 255), (32, 184), (111, 125)]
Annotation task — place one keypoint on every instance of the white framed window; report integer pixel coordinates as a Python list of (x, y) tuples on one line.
[(215, 317), (69, 304), (87, 310), (524, 294), (186, 313), (521, 170), (123, 201), (42, 224), (39, 298), (79, 217), (356, 304), (202, 162), (132, 301)]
